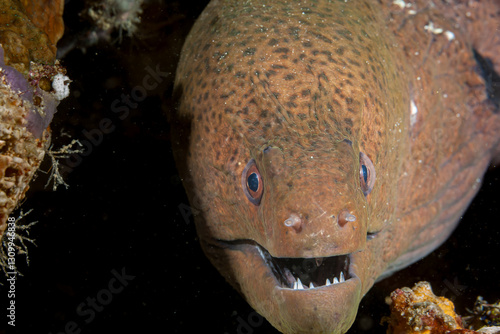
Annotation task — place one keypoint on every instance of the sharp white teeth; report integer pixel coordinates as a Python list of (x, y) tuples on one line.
[(328, 282), (335, 280), (295, 285), (342, 277), (299, 284), (311, 285)]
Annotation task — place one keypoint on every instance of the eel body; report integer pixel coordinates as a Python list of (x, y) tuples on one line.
[(326, 144)]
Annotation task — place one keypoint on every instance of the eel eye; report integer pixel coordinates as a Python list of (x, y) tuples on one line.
[(366, 173), (252, 184)]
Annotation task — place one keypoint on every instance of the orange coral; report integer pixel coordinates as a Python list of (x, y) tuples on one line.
[(418, 310)]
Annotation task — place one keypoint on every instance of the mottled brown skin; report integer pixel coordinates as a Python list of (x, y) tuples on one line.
[(286, 84)]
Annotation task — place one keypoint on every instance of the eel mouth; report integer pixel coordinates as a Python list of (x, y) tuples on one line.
[(298, 273), (307, 273)]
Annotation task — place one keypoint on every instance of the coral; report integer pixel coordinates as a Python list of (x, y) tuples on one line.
[(20, 152), (17, 238), (121, 15), (483, 314), (418, 310), (32, 83)]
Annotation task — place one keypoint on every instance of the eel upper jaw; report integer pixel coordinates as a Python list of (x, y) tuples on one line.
[(300, 273)]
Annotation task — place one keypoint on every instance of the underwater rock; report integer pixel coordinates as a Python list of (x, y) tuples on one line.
[(419, 310), (47, 15), (483, 314), (32, 83)]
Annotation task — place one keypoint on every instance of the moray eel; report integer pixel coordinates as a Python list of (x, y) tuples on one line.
[(326, 144)]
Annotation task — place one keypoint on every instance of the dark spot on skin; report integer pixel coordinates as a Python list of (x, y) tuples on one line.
[(281, 50), (306, 92), (273, 42), (249, 52), (321, 37), (240, 74), (323, 76), (294, 32), (234, 32), (289, 77), (340, 51), (348, 121), (270, 73), (353, 62), (345, 33), (214, 21)]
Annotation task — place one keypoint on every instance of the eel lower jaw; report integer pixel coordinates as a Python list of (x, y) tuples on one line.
[(310, 273), (271, 286)]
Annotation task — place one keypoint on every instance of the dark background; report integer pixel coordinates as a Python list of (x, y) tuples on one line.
[(122, 210)]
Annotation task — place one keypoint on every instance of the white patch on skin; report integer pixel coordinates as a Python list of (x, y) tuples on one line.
[(399, 3), (430, 28), (413, 114), (449, 35)]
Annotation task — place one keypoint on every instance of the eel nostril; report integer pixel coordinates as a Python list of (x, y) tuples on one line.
[(346, 217), (294, 222)]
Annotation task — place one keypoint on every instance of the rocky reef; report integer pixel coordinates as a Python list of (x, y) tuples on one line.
[(419, 311), (32, 83)]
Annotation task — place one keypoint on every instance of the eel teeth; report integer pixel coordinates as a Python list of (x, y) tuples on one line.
[(298, 285)]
